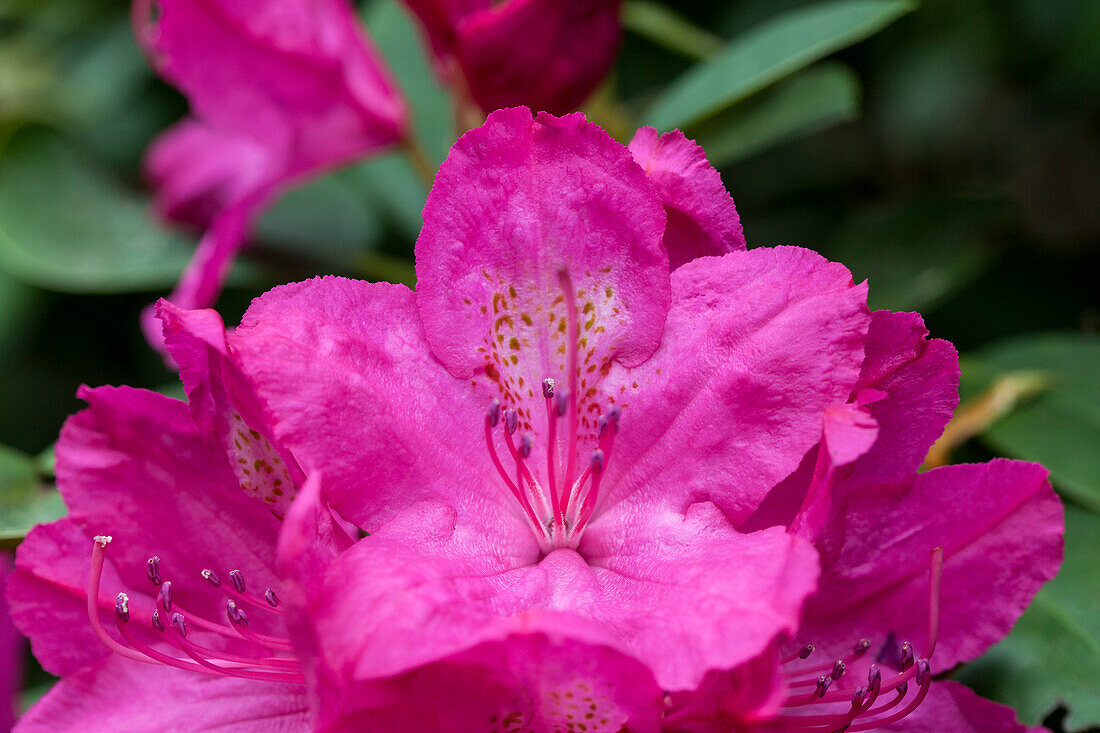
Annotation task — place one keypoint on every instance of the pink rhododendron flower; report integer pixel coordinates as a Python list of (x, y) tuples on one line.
[(595, 490), (279, 90), (546, 54)]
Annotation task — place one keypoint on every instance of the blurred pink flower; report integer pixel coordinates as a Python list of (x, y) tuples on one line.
[(279, 90), (545, 54), (593, 489)]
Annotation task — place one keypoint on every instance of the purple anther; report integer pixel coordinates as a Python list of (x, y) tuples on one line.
[(180, 623), (561, 403), (907, 656), (511, 420), (237, 578), (805, 651), (526, 442), (823, 684), (152, 570), (236, 614), (212, 578), (861, 647), (271, 598), (122, 607), (874, 677), (838, 669), (613, 414), (859, 696), (548, 388), (924, 669), (597, 462), (902, 688), (166, 595), (157, 623), (493, 413)]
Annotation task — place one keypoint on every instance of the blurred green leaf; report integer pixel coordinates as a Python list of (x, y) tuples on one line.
[(1053, 654), (918, 252), (399, 40), (24, 502), (325, 221), (1059, 428), (769, 53), (392, 181), (65, 225), (809, 101), (658, 23)]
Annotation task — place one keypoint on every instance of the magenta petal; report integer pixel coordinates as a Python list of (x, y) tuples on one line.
[(665, 593), (530, 681), (954, 708), (518, 201), (1000, 525), (545, 54), (359, 397), (11, 652), (300, 78), (920, 379), (120, 695), (198, 171), (702, 219), (757, 345)]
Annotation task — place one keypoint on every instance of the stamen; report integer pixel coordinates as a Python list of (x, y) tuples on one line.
[(166, 595), (574, 336), (271, 598), (180, 623), (589, 504), (237, 578), (122, 607), (511, 420), (800, 654), (152, 570), (157, 623), (212, 578)]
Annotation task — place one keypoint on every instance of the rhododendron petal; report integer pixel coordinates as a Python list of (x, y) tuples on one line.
[(133, 466), (198, 171), (757, 345), (11, 652), (545, 54), (225, 407), (123, 695), (954, 708), (671, 598), (360, 398), (532, 681), (519, 200), (702, 219), (875, 558), (301, 78)]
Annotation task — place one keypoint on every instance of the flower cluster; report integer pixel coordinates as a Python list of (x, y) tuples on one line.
[(606, 469)]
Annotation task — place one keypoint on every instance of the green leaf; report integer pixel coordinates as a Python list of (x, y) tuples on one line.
[(658, 23), (916, 253), (66, 225), (399, 40), (24, 502), (325, 221), (768, 53), (807, 102), (1053, 654), (1059, 428)]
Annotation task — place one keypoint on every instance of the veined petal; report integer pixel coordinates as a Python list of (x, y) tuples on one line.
[(702, 219), (757, 345), (123, 695), (1000, 525), (356, 395), (519, 204)]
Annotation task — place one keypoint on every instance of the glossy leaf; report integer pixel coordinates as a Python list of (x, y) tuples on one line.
[(768, 53), (659, 24), (1053, 654), (809, 101), (67, 225), (1060, 428), (24, 501)]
